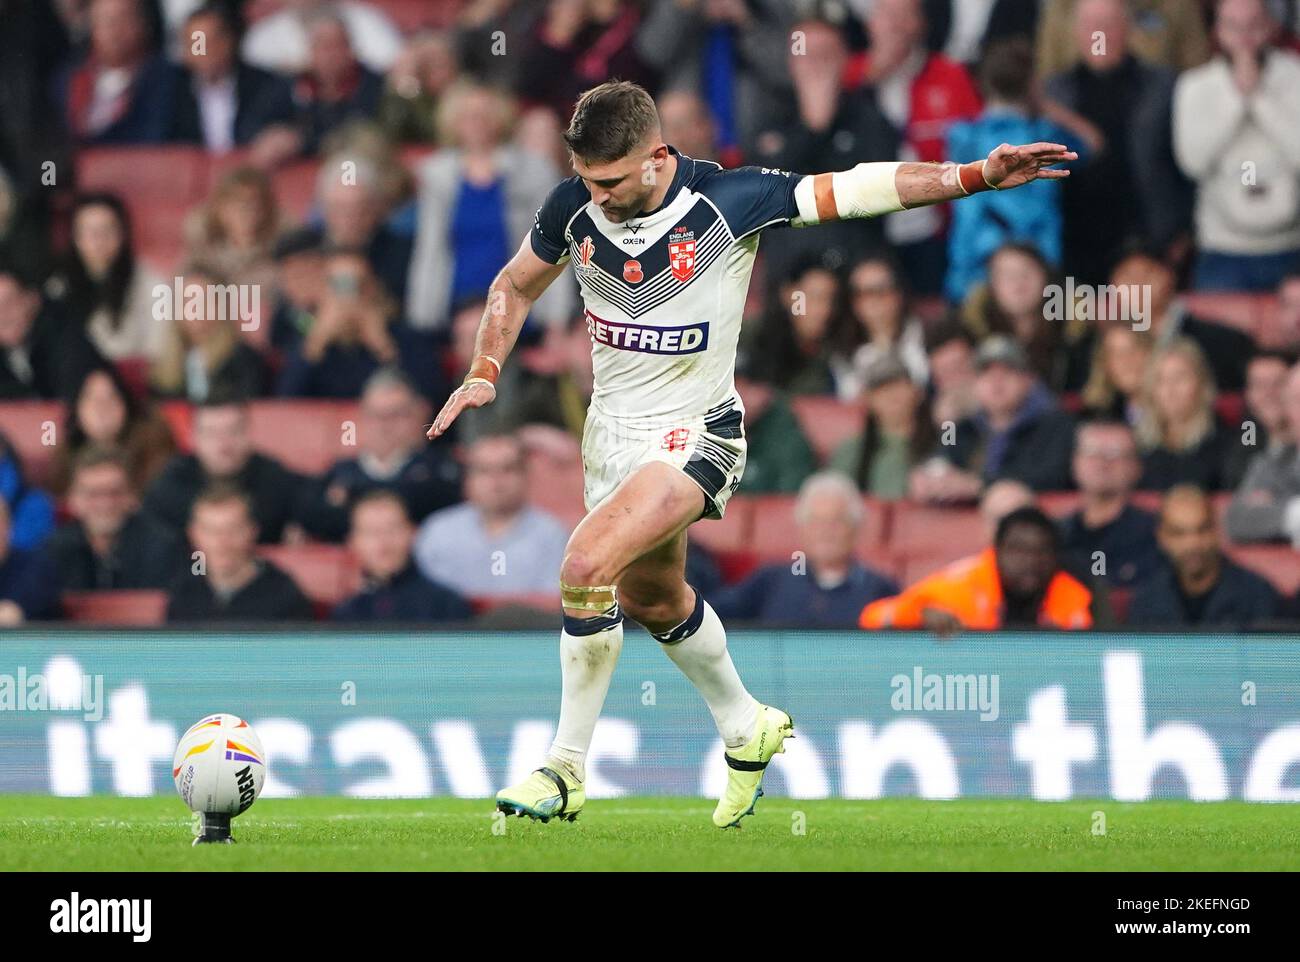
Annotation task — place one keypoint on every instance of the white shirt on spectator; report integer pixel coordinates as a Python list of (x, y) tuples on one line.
[(279, 42), (1243, 153), (105, 100), (217, 106)]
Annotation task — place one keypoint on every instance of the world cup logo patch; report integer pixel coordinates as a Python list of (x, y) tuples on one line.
[(676, 439), (585, 251)]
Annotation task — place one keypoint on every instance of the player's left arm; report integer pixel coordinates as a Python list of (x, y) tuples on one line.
[(873, 189)]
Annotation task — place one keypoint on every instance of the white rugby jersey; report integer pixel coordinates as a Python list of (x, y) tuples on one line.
[(664, 292)]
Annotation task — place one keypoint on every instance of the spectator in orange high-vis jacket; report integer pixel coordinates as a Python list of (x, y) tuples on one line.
[(1016, 583)]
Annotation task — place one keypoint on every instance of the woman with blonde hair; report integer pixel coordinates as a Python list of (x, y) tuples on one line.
[(202, 354), (1177, 430), (477, 196), (1117, 373), (235, 233)]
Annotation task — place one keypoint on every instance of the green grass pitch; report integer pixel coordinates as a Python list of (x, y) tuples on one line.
[(103, 833)]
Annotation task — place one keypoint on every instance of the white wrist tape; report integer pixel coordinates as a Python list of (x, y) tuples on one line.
[(868, 190)]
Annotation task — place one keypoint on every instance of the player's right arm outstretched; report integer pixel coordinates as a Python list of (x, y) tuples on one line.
[(509, 300), (873, 189)]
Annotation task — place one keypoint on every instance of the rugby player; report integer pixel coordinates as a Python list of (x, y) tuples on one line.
[(663, 245)]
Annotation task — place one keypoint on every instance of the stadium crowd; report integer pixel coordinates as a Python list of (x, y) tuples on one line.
[(1072, 405)]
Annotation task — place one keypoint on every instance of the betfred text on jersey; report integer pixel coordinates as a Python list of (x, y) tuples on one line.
[(689, 339)]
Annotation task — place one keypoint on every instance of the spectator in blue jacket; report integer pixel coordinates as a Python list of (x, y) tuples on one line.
[(823, 585), (1012, 114), (1199, 587), (29, 582), (29, 511), (394, 590)]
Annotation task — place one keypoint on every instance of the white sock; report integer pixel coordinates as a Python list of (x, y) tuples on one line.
[(698, 646), (586, 665)]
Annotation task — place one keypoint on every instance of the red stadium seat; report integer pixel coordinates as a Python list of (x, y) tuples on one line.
[(33, 428), (539, 601), (1230, 408), (304, 436), (1058, 504), (912, 567), (411, 15), (257, 9), (922, 529), (874, 535), (221, 164), (160, 233), (135, 608), (326, 573), (1280, 564), (774, 535), (827, 422), (150, 175), (735, 566), (414, 155), (1148, 500), (165, 258), (295, 188), (887, 564), (732, 533), (135, 372), (1121, 599)]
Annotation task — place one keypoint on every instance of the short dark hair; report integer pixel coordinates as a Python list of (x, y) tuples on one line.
[(226, 13), (223, 492), (945, 332), (1284, 355), (610, 121), (886, 259), (381, 496), (97, 456), (21, 273), (1140, 248), (1007, 68), (223, 397), (1102, 421), (1030, 517)]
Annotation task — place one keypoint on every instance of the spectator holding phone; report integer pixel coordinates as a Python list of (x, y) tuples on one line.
[(355, 332)]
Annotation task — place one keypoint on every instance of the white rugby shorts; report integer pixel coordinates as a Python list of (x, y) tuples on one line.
[(708, 448)]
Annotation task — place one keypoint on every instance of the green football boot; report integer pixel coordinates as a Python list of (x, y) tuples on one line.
[(745, 766)]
